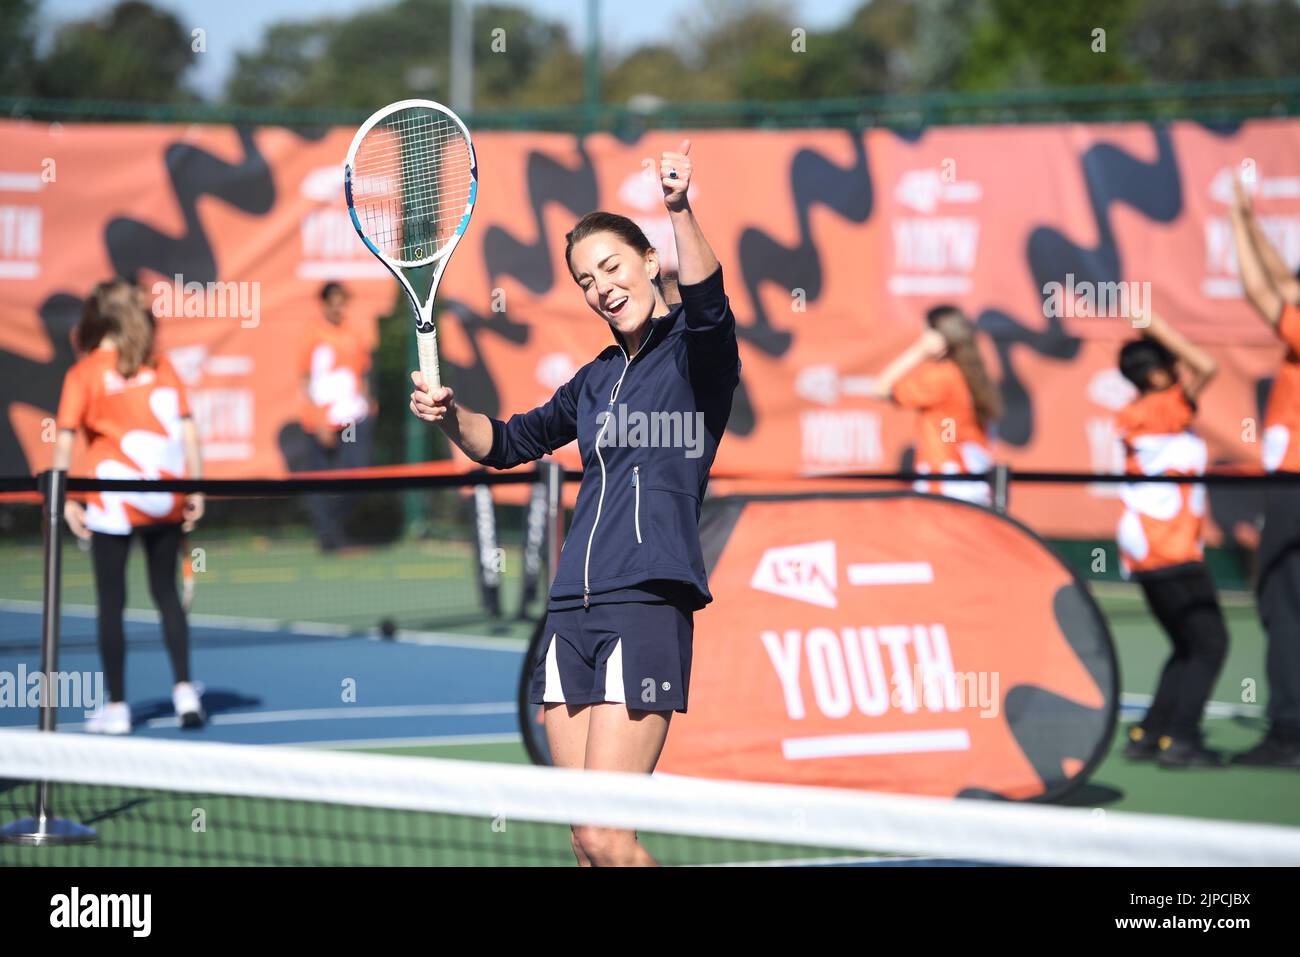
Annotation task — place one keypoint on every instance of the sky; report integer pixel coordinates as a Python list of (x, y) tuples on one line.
[(237, 25)]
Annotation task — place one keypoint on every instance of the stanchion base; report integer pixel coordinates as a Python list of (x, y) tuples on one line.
[(55, 831)]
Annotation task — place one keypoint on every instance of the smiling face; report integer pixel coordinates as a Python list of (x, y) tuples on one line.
[(617, 281)]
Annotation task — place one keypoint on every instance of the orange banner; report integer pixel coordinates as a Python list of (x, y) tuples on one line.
[(896, 660), (833, 244)]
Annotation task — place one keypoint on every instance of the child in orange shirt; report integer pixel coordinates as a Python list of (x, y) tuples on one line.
[(943, 378), (1160, 541), (1275, 295), (134, 411), (335, 410)]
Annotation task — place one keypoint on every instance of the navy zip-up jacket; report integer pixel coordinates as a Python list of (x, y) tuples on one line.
[(648, 429)]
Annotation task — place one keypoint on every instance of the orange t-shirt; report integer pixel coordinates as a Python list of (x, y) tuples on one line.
[(950, 439), (335, 364), (1282, 418), (1162, 522), (133, 430)]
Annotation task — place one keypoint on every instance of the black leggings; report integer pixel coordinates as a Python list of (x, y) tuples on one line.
[(1185, 602), (162, 545), (1279, 606)]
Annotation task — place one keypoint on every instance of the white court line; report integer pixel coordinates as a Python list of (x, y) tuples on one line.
[(443, 639), (846, 861), (342, 713), (446, 639), (893, 742), (1213, 709), (1235, 597), (447, 740)]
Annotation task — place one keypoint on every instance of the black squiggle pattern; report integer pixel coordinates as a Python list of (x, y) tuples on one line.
[(529, 263), (1111, 176), (548, 182), (474, 383), (133, 246), (813, 179), (36, 383), (194, 173)]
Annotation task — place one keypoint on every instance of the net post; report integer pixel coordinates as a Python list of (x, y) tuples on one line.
[(43, 828), (489, 554), (554, 478), (54, 493), (535, 538), (1001, 487)]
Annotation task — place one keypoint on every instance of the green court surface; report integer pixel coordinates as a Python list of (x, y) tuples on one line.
[(264, 581), (148, 829)]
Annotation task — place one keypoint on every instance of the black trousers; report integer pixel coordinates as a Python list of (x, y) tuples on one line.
[(1185, 603), (330, 513), (1278, 594), (109, 553)]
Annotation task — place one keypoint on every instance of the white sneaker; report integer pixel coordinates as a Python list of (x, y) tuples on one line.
[(112, 718), (185, 699)]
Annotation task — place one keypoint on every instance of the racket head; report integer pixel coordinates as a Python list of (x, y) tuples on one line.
[(411, 180)]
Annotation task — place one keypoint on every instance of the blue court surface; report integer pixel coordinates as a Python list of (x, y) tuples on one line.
[(268, 683)]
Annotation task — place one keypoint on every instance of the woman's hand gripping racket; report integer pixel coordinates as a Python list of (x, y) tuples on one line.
[(411, 180)]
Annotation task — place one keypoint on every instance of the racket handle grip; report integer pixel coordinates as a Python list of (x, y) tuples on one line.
[(427, 345)]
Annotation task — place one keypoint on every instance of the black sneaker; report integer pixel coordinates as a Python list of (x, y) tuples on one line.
[(1187, 753), (1141, 746), (1274, 751)]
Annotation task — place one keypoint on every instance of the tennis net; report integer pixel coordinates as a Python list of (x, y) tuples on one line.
[(167, 803)]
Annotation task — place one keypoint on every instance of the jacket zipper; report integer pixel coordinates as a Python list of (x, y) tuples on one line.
[(613, 396), (636, 482)]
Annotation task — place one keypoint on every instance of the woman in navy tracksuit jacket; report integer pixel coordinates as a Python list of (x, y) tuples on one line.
[(648, 414)]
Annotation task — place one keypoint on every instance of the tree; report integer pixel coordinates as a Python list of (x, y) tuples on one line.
[(943, 32), (873, 52), (518, 59), (1197, 40), (17, 45), (1028, 43), (286, 70), (134, 52)]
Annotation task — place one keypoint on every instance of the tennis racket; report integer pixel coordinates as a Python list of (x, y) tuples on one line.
[(411, 180)]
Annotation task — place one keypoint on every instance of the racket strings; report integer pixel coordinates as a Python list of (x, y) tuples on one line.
[(412, 177), (394, 163)]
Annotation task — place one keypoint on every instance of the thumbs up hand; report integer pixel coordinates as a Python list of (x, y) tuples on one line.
[(675, 175)]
